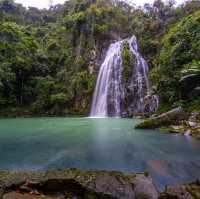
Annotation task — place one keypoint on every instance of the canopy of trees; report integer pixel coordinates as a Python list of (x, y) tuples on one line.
[(45, 54)]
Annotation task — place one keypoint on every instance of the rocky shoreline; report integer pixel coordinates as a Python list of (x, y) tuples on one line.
[(77, 184), (174, 121)]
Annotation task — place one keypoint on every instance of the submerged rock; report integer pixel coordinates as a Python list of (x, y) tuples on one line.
[(159, 166)]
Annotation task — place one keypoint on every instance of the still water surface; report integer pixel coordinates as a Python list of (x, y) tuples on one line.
[(105, 144)]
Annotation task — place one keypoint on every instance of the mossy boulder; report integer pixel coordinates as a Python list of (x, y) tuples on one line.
[(148, 124), (171, 117)]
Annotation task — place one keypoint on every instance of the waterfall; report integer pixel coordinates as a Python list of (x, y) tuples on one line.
[(111, 96)]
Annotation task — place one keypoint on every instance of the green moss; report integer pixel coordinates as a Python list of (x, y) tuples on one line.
[(126, 56), (151, 124), (170, 129), (193, 105)]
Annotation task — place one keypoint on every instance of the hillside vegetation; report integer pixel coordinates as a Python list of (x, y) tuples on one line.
[(179, 57), (49, 59)]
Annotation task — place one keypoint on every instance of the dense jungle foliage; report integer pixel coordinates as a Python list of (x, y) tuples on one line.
[(49, 58)]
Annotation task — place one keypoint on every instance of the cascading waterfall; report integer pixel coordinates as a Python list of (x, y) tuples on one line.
[(111, 96), (110, 71)]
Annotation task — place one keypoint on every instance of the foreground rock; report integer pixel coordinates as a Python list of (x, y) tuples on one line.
[(76, 184), (187, 191)]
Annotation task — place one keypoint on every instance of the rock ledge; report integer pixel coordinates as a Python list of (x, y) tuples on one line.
[(76, 184)]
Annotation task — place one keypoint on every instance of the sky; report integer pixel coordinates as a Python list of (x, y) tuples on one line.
[(45, 3)]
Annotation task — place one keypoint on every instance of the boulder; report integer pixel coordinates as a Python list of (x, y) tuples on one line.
[(160, 167), (165, 119), (192, 124), (111, 185), (176, 192), (186, 191), (144, 188)]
